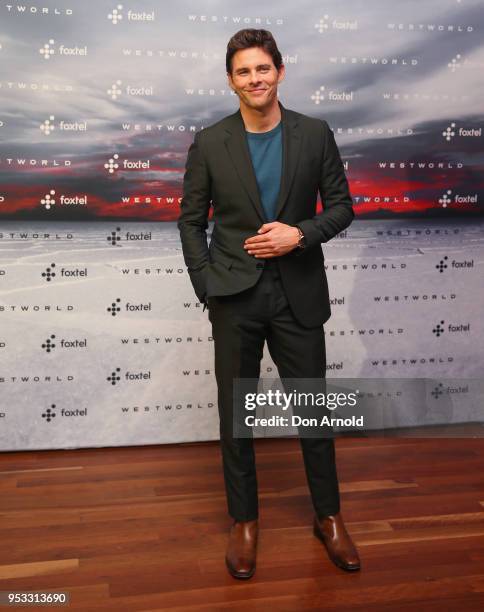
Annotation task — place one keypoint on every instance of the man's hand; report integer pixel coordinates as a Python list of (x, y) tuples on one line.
[(272, 240)]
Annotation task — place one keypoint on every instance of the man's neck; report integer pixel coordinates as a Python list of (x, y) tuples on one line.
[(260, 120)]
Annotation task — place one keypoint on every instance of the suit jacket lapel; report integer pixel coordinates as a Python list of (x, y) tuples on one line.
[(291, 139), (238, 150)]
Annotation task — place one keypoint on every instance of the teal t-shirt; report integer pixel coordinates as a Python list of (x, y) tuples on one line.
[(266, 153)]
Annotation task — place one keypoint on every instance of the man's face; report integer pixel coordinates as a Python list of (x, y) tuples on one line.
[(254, 78)]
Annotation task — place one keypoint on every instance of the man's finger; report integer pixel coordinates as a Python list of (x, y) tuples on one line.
[(259, 247), (259, 250), (267, 226), (257, 239)]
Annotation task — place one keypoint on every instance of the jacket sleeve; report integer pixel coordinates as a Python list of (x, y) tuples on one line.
[(338, 210), (193, 219)]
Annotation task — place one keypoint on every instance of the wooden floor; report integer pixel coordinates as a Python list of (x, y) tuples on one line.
[(145, 528)]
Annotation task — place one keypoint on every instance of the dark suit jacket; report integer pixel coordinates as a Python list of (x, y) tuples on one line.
[(219, 172)]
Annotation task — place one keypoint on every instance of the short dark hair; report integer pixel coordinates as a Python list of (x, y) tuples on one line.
[(250, 37)]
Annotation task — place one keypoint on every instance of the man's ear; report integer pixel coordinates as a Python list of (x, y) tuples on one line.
[(282, 73)]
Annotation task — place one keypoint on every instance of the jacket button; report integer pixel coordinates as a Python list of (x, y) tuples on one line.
[(259, 266)]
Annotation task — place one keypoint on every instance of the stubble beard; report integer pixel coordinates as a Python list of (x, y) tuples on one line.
[(253, 103)]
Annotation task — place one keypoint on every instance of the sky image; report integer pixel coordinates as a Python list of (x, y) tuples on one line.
[(99, 101)]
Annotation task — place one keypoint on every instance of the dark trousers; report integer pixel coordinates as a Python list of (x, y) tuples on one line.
[(241, 323)]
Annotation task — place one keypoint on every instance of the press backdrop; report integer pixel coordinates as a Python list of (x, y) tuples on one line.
[(102, 341)]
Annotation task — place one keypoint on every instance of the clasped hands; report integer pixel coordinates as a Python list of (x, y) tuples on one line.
[(272, 240)]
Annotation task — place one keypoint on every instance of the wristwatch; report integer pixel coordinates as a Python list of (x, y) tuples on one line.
[(301, 243)]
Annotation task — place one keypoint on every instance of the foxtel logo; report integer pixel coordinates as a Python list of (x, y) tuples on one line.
[(48, 50), (331, 96), (117, 15), (323, 25), (439, 329), (50, 199), (115, 376), (115, 91), (48, 126), (450, 132), (447, 198), (116, 307), (126, 164), (115, 237)]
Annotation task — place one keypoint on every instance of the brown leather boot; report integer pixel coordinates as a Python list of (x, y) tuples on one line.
[(242, 549), (332, 532)]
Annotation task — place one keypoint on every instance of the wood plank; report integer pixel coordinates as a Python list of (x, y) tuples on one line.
[(145, 528), (19, 570)]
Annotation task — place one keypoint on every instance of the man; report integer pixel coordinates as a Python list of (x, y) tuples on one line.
[(263, 277)]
